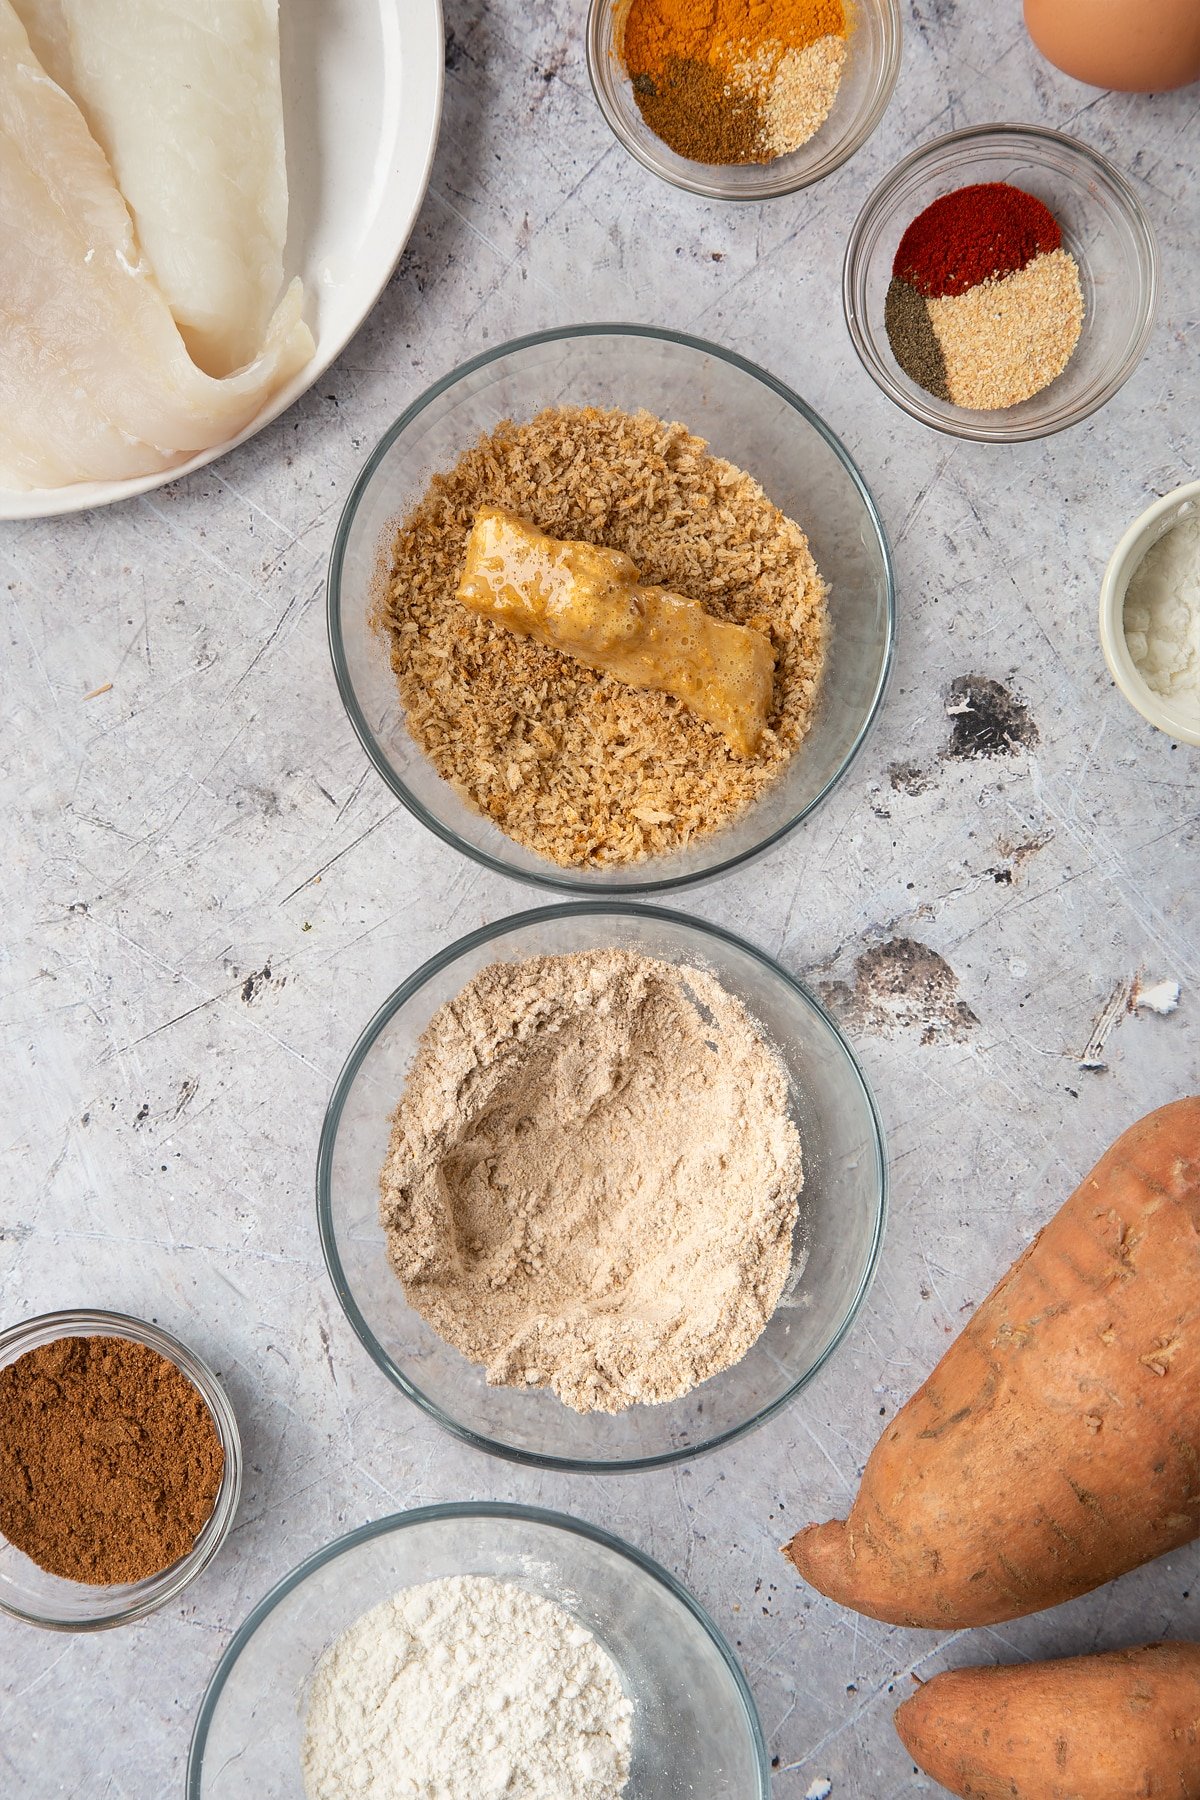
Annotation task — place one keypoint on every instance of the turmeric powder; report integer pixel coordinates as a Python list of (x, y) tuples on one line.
[(734, 80)]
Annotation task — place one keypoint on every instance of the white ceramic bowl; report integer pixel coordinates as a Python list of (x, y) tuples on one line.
[(362, 101), (1146, 530)]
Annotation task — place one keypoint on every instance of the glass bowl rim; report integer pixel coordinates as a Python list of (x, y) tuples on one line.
[(85, 1321), (440, 1513), (889, 12), (863, 338), (563, 881), (332, 1122)]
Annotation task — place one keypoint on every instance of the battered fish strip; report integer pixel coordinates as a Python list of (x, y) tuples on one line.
[(589, 602)]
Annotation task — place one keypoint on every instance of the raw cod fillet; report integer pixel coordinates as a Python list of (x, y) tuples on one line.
[(95, 381), (184, 98)]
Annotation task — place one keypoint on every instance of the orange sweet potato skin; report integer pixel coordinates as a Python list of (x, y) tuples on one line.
[(1122, 1726), (1057, 1443)]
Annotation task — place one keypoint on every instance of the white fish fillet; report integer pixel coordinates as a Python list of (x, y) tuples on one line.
[(95, 380), (184, 98)]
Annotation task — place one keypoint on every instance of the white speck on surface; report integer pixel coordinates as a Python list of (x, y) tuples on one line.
[(1160, 997), (819, 1790)]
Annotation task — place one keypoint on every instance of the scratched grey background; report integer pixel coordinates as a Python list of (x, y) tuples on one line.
[(205, 892)]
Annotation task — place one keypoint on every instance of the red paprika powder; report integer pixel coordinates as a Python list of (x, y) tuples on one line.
[(977, 233)]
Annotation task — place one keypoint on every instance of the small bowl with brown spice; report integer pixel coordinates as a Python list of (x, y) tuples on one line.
[(621, 447), (120, 1469), (736, 118)]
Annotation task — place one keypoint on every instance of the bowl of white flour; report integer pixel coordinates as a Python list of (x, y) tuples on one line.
[(1150, 614), (601, 1187), (478, 1652)]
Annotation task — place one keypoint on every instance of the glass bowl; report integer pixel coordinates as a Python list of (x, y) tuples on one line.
[(748, 417), (696, 1734), (33, 1594), (842, 1208), (1103, 227), (1159, 518), (868, 81)]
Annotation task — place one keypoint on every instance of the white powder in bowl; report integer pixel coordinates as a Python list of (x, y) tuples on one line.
[(1162, 617), (467, 1689)]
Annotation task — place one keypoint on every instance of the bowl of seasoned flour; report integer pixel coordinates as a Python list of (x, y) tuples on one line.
[(601, 1187), (477, 1652)]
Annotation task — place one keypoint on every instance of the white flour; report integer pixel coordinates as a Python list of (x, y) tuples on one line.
[(467, 1689), (1162, 617)]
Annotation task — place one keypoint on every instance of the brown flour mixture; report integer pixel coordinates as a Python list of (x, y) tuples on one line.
[(592, 1180), (575, 765)]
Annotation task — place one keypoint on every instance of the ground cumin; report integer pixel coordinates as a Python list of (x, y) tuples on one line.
[(690, 108), (110, 1461)]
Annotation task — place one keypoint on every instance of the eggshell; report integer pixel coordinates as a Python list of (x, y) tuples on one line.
[(1139, 46)]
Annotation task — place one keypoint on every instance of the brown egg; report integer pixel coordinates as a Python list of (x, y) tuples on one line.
[(1139, 46)]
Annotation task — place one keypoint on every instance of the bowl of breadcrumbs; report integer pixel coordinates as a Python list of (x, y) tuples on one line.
[(707, 479)]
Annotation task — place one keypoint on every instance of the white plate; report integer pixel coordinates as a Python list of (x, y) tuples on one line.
[(362, 98)]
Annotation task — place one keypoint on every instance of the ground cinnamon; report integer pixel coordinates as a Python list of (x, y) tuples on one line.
[(110, 1460)]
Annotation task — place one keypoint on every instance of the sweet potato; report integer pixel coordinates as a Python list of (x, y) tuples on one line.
[(1057, 1443), (1114, 1727)]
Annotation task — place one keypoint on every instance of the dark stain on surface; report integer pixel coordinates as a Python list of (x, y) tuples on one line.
[(989, 720), (187, 1093), (1017, 851), (253, 983), (910, 778), (902, 985), (328, 1349), (143, 1113)]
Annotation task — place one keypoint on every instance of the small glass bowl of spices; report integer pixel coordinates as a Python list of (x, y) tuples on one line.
[(120, 1469), (1000, 284), (740, 101)]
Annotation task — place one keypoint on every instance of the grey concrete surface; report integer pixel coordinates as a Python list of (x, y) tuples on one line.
[(206, 892)]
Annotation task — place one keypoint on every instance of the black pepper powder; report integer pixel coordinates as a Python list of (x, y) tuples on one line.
[(913, 339)]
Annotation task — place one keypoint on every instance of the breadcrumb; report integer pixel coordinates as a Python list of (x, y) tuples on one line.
[(575, 765)]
